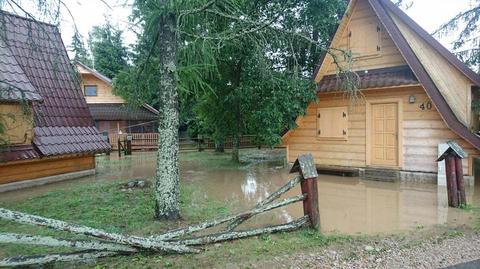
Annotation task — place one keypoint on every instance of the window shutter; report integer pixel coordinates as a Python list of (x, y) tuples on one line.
[(332, 123), (364, 39)]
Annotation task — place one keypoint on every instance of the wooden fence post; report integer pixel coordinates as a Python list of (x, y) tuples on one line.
[(128, 144), (308, 171), (453, 156), (462, 200), (119, 145), (451, 181)]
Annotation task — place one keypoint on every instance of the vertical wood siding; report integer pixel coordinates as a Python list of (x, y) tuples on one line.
[(389, 55)]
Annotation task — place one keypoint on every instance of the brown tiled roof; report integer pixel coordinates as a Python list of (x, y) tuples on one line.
[(376, 78), (120, 112), (14, 84), (39, 51), (67, 140), (16, 153)]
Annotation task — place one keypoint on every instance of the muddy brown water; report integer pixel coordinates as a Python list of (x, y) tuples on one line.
[(347, 205)]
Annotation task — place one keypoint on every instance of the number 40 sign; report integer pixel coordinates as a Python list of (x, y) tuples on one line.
[(427, 105)]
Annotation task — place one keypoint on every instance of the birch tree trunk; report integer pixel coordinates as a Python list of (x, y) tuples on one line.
[(167, 175)]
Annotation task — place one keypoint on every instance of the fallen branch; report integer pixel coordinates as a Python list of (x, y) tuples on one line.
[(54, 242), (134, 241), (219, 237), (288, 186), (50, 258), (241, 216)]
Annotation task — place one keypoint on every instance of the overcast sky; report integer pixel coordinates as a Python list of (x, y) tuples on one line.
[(430, 14)]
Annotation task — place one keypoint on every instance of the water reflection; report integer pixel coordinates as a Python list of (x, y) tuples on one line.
[(249, 186), (347, 205)]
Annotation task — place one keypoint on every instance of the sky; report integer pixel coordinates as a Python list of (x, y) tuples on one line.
[(85, 14)]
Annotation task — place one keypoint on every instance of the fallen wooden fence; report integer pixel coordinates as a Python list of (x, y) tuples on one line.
[(181, 240)]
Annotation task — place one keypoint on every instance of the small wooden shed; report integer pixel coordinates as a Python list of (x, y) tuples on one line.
[(415, 95), (52, 135)]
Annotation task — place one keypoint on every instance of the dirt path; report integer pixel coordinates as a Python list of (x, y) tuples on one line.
[(438, 252)]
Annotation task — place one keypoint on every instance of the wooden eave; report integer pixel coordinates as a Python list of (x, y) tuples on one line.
[(379, 7)]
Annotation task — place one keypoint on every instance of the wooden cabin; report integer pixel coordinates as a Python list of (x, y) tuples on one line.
[(48, 133), (413, 95), (110, 112)]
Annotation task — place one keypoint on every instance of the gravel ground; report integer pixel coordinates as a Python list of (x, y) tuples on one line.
[(438, 252)]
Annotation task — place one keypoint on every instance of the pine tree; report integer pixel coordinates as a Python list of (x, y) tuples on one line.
[(80, 52), (109, 53)]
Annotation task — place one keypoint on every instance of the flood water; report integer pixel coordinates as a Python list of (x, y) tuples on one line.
[(347, 205)]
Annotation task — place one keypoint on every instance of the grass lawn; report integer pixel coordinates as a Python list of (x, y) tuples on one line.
[(107, 206)]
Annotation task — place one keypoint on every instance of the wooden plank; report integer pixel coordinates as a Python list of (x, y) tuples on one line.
[(453, 85), (104, 91), (44, 168), (363, 14)]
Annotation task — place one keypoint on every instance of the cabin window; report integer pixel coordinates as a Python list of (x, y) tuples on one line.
[(364, 40), (90, 90), (332, 123)]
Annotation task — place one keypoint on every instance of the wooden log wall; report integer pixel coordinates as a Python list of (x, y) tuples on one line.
[(25, 170), (423, 130)]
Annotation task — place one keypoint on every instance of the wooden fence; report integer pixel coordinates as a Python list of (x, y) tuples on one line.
[(149, 141)]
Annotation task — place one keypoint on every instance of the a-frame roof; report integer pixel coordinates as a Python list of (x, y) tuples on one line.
[(84, 69), (391, 17), (62, 122)]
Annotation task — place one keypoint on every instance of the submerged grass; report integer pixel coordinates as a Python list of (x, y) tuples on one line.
[(212, 160), (106, 206)]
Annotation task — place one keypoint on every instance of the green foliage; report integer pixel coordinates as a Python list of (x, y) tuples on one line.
[(80, 52), (273, 51), (109, 54), (467, 43)]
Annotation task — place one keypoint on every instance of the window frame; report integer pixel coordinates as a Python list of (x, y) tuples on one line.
[(85, 90)]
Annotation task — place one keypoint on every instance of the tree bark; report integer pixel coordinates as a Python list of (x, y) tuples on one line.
[(134, 241), (51, 258), (167, 192), (219, 237), (241, 216), (26, 239)]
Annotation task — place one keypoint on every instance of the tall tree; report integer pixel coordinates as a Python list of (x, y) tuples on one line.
[(80, 52), (179, 51), (467, 43), (109, 53), (265, 85)]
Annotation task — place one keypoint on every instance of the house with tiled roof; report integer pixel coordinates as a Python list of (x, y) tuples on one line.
[(48, 132), (111, 113), (412, 94)]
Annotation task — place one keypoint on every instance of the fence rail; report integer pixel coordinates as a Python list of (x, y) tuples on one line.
[(149, 141)]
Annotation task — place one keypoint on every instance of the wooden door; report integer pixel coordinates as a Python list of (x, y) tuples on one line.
[(384, 135)]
